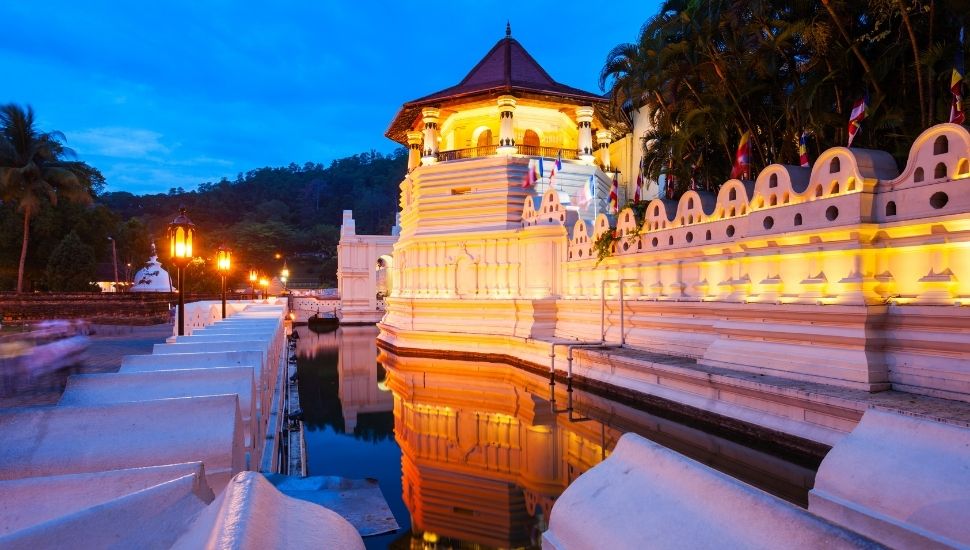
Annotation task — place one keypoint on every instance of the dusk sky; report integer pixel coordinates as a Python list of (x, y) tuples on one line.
[(167, 94)]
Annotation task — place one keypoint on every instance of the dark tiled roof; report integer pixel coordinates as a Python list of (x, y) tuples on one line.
[(506, 68)]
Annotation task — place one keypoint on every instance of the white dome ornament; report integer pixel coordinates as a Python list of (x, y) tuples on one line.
[(152, 278)]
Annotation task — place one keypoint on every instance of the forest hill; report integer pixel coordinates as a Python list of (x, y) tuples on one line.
[(289, 210)]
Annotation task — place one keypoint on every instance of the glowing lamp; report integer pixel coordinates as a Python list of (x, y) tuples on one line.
[(181, 234), (223, 260)]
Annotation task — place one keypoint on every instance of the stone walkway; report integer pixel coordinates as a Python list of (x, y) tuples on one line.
[(942, 410), (108, 345)]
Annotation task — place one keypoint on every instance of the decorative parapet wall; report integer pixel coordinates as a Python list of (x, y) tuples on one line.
[(735, 280), (850, 232)]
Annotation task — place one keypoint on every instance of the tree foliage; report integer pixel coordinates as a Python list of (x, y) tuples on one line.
[(294, 211), (34, 172), (706, 71), (71, 266)]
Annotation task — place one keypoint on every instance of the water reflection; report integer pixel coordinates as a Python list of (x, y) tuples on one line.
[(348, 419), (486, 451), (479, 451), (341, 383)]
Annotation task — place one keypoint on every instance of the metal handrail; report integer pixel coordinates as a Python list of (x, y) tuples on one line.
[(491, 150)]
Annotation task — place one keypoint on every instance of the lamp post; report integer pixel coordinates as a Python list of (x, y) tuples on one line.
[(181, 233), (284, 276), (114, 256), (264, 284), (252, 282), (223, 263)]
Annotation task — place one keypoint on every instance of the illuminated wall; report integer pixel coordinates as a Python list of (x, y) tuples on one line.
[(849, 273)]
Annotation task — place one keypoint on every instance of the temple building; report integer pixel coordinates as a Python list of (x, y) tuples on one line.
[(509, 106)]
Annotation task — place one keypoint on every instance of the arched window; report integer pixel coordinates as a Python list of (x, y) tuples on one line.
[(530, 139), (773, 181), (733, 195), (835, 166), (941, 146), (918, 175), (485, 138), (891, 208), (484, 141), (940, 171)]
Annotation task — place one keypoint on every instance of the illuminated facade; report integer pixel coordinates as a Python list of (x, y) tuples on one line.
[(851, 274)]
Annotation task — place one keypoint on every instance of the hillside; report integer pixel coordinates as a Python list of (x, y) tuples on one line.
[(294, 211)]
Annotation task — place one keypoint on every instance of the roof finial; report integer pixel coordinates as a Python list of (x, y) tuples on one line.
[(508, 29)]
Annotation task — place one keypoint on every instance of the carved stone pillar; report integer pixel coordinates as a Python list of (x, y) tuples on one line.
[(415, 139), (603, 138), (429, 154), (506, 132), (584, 119)]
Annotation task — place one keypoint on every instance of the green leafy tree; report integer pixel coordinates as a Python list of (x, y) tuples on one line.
[(703, 72), (34, 173), (71, 266)]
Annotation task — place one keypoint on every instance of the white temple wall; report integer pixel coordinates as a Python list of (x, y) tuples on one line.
[(882, 255), (357, 272)]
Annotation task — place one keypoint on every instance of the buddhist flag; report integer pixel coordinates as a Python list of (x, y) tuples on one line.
[(742, 159), (530, 175), (957, 116), (615, 195), (556, 168), (855, 117), (803, 150), (639, 188), (588, 191)]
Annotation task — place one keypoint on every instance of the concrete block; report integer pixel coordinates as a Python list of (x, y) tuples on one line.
[(150, 518), (46, 441), (125, 387), (647, 496), (252, 515), (902, 481), (34, 501)]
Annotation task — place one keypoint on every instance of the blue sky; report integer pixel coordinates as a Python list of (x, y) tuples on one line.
[(168, 94)]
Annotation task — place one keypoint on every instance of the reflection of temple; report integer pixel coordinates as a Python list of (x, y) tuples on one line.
[(360, 377), (360, 387), (484, 455)]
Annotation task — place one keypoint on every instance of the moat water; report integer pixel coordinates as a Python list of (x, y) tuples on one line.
[(474, 454)]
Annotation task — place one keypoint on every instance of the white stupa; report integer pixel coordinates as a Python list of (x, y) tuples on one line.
[(152, 278)]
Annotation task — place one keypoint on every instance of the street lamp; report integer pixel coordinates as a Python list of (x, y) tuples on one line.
[(284, 275), (181, 233), (222, 263), (252, 281), (264, 284), (114, 256)]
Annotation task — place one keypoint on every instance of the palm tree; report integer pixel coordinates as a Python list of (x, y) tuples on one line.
[(33, 172), (703, 72)]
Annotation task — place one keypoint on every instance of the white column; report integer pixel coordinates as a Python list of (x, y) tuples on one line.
[(603, 137), (584, 119), (430, 116), (506, 132), (415, 139)]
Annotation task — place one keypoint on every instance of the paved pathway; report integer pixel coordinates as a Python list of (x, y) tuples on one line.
[(108, 345)]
